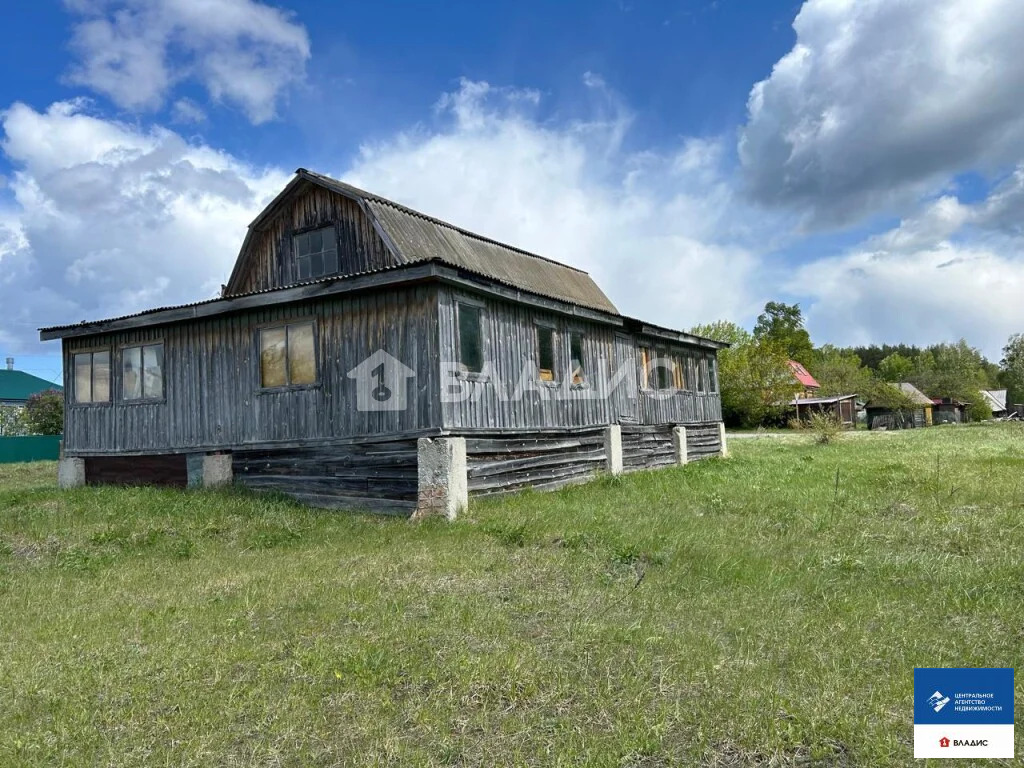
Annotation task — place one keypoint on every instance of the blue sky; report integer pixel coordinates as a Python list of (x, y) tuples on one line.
[(862, 158)]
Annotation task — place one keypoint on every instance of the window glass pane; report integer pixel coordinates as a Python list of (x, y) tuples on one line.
[(546, 353), (645, 362), (301, 354), (677, 373), (576, 353), (272, 358), (100, 377), (315, 242), (328, 239), (330, 262), (712, 374), (83, 378), (153, 372), (471, 353), (131, 373), (700, 374), (316, 265), (664, 372), (301, 245)]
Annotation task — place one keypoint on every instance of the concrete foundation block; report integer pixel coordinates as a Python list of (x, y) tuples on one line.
[(441, 471), (613, 448), (679, 445), (721, 436), (70, 473), (209, 470)]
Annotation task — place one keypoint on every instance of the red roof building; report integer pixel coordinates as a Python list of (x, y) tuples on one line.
[(808, 382)]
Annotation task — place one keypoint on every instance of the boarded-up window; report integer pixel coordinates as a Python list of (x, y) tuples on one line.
[(576, 355), (316, 253), (678, 375), (287, 356), (92, 377), (471, 348), (142, 372), (546, 353)]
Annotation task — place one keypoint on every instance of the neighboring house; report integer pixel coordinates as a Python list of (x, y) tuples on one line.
[(885, 417), (16, 387), (996, 399), (843, 408), (809, 385), (949, 410), (367, 355)]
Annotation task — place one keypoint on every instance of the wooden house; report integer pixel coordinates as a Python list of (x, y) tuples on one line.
[(919, 414), (367, 355), (996, 400)]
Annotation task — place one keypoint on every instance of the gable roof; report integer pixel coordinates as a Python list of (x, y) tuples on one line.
[(996, 399), (800, 374), (916, 395), (414, 237), (18, 385)]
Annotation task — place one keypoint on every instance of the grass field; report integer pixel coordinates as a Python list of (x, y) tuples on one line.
[(751, 611)]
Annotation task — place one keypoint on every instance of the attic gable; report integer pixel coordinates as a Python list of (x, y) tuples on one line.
[(390, 234)]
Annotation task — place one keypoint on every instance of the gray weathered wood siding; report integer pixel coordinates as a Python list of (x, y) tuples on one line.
[(510, 349), (497, 463), (646, 446), (703, 441), (211, 379), (378, 475), (268, 253)]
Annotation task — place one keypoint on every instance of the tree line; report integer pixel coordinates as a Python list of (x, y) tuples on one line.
[(757, 382)]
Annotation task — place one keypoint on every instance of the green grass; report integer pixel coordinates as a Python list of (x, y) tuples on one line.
[(727, 613)]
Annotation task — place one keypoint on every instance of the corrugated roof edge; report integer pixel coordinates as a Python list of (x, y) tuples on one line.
[(344, 188), (227, 299)]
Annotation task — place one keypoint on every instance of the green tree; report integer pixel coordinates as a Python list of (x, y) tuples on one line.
[(951, 370), (895, 367), (783, 324), (1011, 369), (754, 376), (838, 371), (44, 413)]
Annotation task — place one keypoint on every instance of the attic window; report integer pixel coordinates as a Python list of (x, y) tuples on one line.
[(316, 253)]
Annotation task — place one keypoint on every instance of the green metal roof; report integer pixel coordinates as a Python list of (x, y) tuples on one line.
[(17, 385)]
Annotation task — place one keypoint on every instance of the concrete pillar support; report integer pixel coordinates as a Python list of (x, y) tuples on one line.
[(209, 470), (721, 437), (70, 473), (441, 471), (679, 445), (613, 449)]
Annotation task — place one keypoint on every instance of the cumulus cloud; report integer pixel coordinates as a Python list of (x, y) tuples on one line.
[(661, 232), (880, 103), (243, 52), (942, 274), (105, 219)]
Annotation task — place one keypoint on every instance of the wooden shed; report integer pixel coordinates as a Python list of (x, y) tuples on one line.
[(843, 408), (885, 416), (356, 342), (949, 410)]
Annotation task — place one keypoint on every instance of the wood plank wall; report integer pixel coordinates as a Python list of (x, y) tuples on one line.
[(269, 255), (510, 346), (211, 379), (379, 476), (703, 441), (498, 463)]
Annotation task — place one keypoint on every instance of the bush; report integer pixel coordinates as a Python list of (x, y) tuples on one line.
[(825, 427), (44, 413)]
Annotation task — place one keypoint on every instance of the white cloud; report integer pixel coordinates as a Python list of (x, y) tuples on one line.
[(939, 276), (879, 103), (187, 111), (662, 233), (243, 52), (107, 219)]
